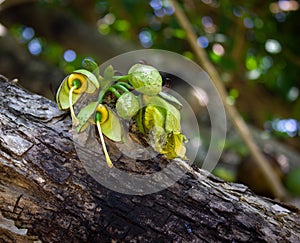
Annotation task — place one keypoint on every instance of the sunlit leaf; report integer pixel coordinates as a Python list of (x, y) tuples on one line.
[(127, 105), (175, 146), (85, 115), (112, 128), (171, 115), (145, 79), (172, 123), (171, 98), (108, 77), (162, 121), (154, 116)]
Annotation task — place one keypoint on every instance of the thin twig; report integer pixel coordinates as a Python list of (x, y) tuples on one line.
[(240, 125)]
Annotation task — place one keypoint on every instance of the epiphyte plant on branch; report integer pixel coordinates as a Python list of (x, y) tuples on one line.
[(138, 96)]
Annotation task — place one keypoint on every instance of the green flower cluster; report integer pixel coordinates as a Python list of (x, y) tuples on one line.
[(139, 96)]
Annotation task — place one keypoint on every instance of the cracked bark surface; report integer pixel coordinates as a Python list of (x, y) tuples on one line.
[(46, 193)]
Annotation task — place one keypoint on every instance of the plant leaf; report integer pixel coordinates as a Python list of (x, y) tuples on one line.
[(145, 79), (127, 105), (171, 114), (154, 117), (89, 64), (171, 99), (175, 146), (112, 128), (172, 123), (84, 115), (108, 76)]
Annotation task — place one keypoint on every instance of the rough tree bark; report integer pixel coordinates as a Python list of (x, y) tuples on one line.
[(47, 195)]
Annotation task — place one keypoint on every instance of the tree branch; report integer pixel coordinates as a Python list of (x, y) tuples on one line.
[(274, 181), (46, 193)]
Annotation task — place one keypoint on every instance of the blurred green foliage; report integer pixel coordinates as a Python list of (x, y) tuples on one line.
[(224, 173), (292, 181), (255, 40), (268, 30)]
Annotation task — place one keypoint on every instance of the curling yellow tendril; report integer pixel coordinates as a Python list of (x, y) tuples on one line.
[(74, 118), (108, 160)]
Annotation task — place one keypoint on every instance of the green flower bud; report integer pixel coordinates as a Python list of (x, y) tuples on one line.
[(89, 64), (145, 79)]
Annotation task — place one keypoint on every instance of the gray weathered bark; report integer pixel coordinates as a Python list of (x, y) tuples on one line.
[(46, 194)]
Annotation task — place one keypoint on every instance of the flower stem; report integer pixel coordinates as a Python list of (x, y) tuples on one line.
[(74, 118), (101, 95), (108, 160), (121, 78), (120, 87), (126, 85), (114, 91)]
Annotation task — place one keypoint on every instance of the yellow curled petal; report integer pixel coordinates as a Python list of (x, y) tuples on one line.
[(103, 111), (78, 78)]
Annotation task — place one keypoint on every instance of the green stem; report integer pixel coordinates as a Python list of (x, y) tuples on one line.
[(120, 87), (101, 95), (140, 116), (126, 85), (122, 78), (114, 91)]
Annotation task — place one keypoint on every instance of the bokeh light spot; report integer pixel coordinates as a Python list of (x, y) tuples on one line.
[(209, 2), (159, 12), (259, 23), (169, 9), (293, 94), (238, 11), (122, 25), (207, 21), (203, 41), (220, 37), (254, 74), (288, 126), (272, 46), (248, 22), (3, 30), (104, 29), (291, 5), (69, 55), (218, 49), (145, 38), (35, 46), (280, 16), (156, 4), (251, 63), (109, 18), (28, 33), (266, 62)]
